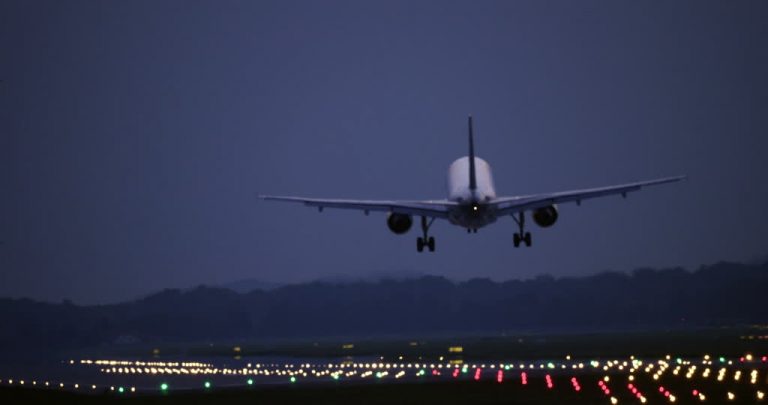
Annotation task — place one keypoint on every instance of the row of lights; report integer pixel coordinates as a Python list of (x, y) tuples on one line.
[(336, 371)]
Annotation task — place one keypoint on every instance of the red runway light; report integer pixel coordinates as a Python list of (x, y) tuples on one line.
[(575, 383), (524, 378), (604, 387), (499, 376), (477, 374)]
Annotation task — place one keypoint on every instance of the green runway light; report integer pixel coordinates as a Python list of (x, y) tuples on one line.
[(722, 359), (293, 379), (207, 384), (163, 387), (250, 381), (121, 390), (335, 377)]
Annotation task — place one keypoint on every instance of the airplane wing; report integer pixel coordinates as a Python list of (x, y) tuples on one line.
[(427, 208), (511, 205)]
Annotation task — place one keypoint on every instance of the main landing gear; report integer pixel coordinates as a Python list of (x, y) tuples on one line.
[(427, 241), (521, 236)]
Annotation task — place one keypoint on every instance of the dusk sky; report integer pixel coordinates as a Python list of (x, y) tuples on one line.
[(135, 137)]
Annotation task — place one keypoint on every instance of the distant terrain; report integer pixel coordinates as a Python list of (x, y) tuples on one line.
[(724, 294)]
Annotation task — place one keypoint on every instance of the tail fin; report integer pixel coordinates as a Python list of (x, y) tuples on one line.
[(472, 179)]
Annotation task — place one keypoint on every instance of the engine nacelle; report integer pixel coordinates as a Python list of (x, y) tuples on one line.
[(399, 223), (545, 216)]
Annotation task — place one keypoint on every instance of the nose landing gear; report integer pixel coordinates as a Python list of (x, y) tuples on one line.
[(521, 236), (426, 240)]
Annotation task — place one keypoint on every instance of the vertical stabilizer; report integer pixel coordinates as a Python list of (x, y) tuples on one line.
[(472, 179)]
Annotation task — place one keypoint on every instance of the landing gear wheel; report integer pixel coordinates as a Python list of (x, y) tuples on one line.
[(426, 240), (521, 236)]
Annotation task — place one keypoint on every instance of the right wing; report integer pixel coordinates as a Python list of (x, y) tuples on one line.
[(511, 205), (427, 208)]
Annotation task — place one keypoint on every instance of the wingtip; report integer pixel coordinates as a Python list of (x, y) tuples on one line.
[(673, 179)]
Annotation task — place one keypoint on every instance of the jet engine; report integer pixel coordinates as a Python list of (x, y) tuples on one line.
[(545, 216), (399, 223)]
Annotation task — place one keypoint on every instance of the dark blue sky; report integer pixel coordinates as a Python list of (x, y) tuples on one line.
[(136, 135)]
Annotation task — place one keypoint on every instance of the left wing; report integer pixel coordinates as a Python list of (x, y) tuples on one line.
[(511, 205), (427, 208)]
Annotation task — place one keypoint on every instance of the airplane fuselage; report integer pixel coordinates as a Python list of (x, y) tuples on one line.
[(473, 211)]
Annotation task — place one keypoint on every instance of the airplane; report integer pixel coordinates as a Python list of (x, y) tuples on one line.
[(472, 202)]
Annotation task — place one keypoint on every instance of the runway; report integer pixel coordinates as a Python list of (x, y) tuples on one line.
[(666, 379)]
